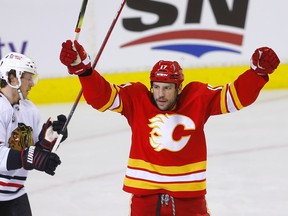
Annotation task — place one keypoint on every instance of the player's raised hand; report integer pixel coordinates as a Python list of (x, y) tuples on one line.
[(75, 57), (264, 61), (67, 54)]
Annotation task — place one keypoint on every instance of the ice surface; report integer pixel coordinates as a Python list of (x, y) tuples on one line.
[(247, 163)]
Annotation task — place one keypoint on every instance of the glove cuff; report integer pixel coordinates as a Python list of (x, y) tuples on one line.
[(88, 72), (27, 156)]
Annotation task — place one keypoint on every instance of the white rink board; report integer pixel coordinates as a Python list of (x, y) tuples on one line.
[(247, 157), (37, 29)]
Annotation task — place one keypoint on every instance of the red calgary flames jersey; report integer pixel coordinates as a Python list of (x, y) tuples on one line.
[(168, 149)]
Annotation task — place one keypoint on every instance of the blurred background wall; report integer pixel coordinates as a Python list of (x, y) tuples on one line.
[(212, 40)]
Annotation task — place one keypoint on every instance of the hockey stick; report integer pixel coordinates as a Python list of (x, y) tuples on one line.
[(80, 19), (93, 66), (77, 31)]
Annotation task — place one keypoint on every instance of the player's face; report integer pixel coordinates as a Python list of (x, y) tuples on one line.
[(26, 83), (165, 94)]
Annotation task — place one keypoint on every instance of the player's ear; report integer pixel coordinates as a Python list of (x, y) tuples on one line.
[(12, 79), (179, 89)]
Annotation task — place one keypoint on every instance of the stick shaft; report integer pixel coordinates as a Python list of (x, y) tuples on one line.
[(80, 19), (77, 31), (93, 66), (108, 34)]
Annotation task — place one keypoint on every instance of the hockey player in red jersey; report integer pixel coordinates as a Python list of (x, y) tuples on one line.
[(166, 171)]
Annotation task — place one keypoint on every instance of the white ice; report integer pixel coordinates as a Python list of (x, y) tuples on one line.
[(247, 163)]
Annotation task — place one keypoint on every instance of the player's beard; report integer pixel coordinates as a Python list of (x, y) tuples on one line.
[(170, 106)]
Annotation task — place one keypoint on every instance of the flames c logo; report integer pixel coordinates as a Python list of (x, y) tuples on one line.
[(162, 135)]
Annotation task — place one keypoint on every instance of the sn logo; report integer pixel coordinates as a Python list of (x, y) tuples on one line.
[(196, 13), (167, 13)]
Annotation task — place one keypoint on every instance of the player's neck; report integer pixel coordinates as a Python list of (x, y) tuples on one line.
[(11, 94)]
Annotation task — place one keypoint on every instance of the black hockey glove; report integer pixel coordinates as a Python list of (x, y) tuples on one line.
[(58, 126), (48, 136), (34, 157)]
